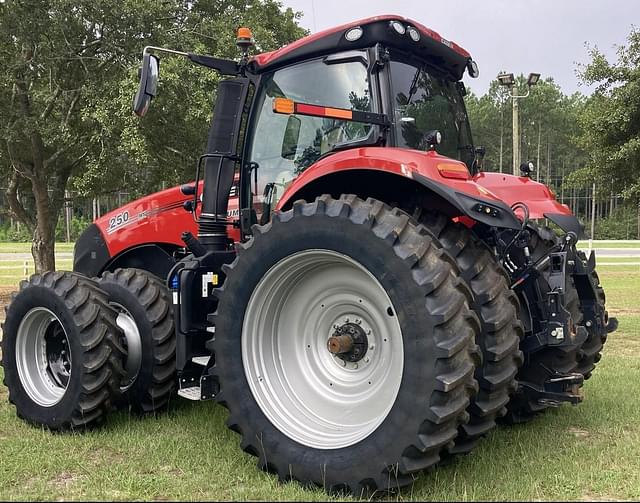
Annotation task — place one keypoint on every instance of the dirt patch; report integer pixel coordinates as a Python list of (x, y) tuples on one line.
[(590, 496), (5, 297), (106, 455), (63, 480), (577, 432)]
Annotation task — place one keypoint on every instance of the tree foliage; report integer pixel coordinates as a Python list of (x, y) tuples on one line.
[(611, 118), (549, 132), (68, 74)]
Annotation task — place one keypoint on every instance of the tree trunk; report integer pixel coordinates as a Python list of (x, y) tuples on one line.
[(43, 250), (43, 246)]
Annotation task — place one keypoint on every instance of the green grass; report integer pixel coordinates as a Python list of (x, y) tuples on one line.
[(12, 271), (571, 453), (6, 247)]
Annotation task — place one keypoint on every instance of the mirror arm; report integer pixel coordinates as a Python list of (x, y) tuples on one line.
[(224, 66), (151, 48)]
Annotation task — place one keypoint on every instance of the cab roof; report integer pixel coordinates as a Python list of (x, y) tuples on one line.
[(431, 46)]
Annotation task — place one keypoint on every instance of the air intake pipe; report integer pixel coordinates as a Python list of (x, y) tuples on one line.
[(220, 162)]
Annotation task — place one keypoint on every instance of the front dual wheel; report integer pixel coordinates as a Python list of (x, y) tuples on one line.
[(61, 351), (344, 346)]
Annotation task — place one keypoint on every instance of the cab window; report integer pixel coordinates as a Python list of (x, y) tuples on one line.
[(283, 146)]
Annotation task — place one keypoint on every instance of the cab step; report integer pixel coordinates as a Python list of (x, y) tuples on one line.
[(206, 390)]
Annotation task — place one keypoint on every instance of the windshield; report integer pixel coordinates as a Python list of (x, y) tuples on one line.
[(425, 101)]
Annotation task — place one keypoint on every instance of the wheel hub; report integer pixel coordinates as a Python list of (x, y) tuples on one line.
[(56, 349), (349, 343)]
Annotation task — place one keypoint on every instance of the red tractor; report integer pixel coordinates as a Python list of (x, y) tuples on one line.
[(344, 278)]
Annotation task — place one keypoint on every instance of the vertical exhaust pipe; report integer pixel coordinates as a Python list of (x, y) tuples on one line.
[(220, 163)]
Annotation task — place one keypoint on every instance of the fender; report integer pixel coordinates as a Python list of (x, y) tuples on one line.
[(540, 200), (448, 179)]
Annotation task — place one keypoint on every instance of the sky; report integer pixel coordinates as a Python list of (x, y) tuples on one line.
[(520, 36)]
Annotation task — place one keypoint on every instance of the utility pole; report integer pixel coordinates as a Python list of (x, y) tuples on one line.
[(508, 80), (516, 130), (593, 211), (538, 154), (501, 132)]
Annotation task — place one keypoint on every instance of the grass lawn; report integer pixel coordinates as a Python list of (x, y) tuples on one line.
[(6, 247), (571, 453)]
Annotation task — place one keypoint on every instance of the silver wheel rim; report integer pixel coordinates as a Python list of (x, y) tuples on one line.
[(311, 395), (43, 357), (132, 343)]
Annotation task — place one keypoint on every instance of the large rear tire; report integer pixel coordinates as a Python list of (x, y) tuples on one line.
[(359, 422), (145, 314), (61, 351), (497, 307), (591, 350)]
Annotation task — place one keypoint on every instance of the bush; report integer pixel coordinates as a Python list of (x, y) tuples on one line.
[(15, 236), (621, 224), (76, 227)]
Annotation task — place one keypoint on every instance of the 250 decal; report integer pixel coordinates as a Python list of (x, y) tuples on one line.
[(117, 221)]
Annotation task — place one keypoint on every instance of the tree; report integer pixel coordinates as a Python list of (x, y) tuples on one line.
[(164, 146), (68, 76), (611, 119), (549, 128)]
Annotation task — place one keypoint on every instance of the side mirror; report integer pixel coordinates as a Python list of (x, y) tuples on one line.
[(472, 68), (291, 137), (148, 85)]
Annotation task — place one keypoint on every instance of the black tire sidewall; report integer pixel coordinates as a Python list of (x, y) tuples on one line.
[(400, 428), (126, 298), (60, 413)]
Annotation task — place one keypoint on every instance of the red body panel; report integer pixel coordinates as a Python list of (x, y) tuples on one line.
[(160, 217), (156, 218), (269, 57), (399, 161), (511, 189)]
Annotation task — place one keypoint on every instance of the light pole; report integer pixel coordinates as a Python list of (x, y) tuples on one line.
[(508, 80)]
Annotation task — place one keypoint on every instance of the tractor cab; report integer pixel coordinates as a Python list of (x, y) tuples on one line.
[(380, 82)]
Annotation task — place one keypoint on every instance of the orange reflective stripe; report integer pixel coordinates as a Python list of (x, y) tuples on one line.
[(339, 113)]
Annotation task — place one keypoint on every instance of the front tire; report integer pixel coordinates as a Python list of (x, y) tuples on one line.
[(334, 266), (61, 354), (145, 314)]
